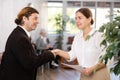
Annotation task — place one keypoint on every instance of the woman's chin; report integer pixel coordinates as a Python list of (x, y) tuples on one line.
[(80, 27)]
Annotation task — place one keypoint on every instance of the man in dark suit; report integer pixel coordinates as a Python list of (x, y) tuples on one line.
[(19, 61)]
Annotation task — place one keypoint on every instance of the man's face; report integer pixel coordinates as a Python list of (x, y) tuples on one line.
[(31, 22)]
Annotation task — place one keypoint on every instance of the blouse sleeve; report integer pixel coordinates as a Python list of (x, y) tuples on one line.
[(72, 51), (98, 41)]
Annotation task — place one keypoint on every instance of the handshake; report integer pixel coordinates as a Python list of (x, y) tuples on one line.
[(65, 55), (56, 51), (61, 53)]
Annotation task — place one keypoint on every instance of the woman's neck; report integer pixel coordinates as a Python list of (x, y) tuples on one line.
[(86, 31)]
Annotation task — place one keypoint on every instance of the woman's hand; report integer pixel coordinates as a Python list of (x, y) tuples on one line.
[(87, 71), (56, 51), (61, 53)]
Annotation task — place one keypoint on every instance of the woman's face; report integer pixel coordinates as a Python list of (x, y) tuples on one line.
[(81, 21)]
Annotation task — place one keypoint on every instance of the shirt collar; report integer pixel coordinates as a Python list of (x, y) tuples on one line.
[(90, 33), (28, 34)]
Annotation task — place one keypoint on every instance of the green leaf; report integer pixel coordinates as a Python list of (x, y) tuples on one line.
[(103, 43), (102, 28), (111, 31), (117, 18), (116, 69), (119, 32)]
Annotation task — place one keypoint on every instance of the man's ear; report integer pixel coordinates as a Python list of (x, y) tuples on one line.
[(24, 18)]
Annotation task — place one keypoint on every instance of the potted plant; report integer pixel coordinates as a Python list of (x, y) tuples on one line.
[(59, 31), (111, 34), (60, 23)]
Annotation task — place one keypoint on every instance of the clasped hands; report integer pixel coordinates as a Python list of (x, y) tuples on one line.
[(55, 51), (86, 71)]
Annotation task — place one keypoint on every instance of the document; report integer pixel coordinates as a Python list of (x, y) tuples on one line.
[(76, 67)]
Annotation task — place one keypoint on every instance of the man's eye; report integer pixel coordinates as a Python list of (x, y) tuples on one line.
[(75, 18), (35, 18)]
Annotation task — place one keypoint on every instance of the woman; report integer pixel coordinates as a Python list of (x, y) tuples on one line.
[(86, 48)]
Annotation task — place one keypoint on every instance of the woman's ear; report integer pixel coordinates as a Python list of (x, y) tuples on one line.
[(89, 19)]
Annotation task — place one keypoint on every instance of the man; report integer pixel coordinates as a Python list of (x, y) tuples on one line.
[(0, 57), (19, 61)]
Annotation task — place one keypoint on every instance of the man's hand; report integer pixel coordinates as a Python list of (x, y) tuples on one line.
[(61, 53), (54, 52)]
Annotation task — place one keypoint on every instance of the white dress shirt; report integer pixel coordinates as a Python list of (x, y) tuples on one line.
[(28, 34), (88, 51)]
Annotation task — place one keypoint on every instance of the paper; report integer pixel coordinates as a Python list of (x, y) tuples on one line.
[(76, 67)]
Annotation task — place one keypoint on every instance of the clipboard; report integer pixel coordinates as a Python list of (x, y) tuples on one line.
[(76, 67)]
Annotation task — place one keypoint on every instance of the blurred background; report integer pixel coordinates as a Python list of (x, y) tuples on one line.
[(57, 17)]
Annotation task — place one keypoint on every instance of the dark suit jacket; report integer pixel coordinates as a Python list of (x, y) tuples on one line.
[(19, 60)]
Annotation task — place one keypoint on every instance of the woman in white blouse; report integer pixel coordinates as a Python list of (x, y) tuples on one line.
[(86, 48)]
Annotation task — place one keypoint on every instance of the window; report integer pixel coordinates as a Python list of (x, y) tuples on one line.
[(70, 25), (103, 13), (117, 8), (89, 4), (73, 3), (54, 9)]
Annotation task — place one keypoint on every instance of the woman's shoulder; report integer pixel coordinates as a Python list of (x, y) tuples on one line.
[(99, 37), (99, 34), (78, 34)]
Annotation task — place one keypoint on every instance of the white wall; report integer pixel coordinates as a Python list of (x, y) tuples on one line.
[(8, 12)]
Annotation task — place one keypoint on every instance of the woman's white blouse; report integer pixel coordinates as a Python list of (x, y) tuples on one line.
[(88, 51)]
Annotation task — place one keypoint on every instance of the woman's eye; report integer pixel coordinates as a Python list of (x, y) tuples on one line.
[(79, 17)]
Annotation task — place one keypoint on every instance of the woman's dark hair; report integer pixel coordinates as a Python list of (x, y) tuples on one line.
[(27, 11), (86, 12)]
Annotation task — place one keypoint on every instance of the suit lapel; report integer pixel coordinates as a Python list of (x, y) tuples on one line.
[(20, 29)]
